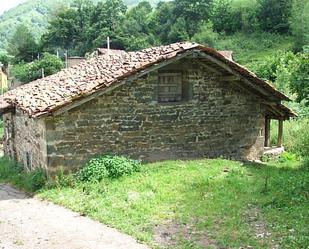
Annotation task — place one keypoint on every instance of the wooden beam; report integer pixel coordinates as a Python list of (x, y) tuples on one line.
[(267, 132), (280, 132), (232, 71), (209, 68), (229, 78), (253, 93), (272, 107)]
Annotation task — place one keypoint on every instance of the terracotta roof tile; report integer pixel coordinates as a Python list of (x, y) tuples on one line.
[(49, 94)]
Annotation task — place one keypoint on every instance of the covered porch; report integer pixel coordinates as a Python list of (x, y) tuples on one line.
[(280, 113)]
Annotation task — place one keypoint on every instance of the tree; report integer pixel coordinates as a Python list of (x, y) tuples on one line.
[(27, 72), (206, 35), (193, 12), (137, 31), (4, 61), (289, 73), (23, 46), (273, 15), (86, 26), (68, 30), (162, 21), (178, 31), (107, 20), (299, 23), (222, 15), (299, 78)]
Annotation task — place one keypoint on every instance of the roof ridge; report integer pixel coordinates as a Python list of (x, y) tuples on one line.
[(47, 94)]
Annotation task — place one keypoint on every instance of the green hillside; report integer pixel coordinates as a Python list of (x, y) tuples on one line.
[(35, 14)]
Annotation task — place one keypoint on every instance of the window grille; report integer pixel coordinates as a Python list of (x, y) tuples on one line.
[(170, 87)]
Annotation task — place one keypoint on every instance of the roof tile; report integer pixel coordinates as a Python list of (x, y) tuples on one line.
[(50, 93)]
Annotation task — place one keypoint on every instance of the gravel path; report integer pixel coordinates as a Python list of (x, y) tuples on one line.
[(28, 223)]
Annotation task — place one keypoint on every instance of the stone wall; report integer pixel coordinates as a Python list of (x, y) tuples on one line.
[(24, 139), (216, 119)]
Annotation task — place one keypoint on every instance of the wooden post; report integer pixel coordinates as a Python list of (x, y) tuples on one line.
[(267, 132), (280, 132)]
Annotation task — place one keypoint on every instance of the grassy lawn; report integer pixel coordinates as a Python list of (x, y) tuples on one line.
[(201, 203)]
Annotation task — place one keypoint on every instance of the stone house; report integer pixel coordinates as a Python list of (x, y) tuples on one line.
[(178, 101)]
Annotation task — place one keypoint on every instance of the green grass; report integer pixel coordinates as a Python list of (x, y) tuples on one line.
[(295, 135), (11, 172), (203, 202)]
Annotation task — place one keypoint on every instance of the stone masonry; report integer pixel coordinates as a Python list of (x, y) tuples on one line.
[(25, 139), (215, 119)]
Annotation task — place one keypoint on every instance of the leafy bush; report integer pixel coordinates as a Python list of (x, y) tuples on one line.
[(107, 166), (26, 72), (120, 165), (94, 170)]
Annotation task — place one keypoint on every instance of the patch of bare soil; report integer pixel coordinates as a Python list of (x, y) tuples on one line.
[(169, 234), (29, 223), (259, 226)]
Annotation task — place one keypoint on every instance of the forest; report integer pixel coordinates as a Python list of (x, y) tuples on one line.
[(36, 14)]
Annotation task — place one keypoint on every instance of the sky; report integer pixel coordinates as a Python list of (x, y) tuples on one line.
[(8, 4)]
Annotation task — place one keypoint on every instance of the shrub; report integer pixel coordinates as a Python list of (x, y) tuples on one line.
[(108, 166), (37, 179), (62, 179), (27, 72)]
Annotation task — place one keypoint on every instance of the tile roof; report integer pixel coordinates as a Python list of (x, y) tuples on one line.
[(46, 95)]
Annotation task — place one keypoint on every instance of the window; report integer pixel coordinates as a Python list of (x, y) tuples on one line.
[(170, 87)]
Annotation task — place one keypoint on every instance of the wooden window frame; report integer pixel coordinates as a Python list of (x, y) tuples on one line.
[(170, 86)]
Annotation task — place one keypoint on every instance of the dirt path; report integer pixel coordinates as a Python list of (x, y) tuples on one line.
[(28, 223)]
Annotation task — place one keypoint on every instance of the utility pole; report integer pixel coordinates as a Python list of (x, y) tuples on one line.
[(108, 45), (43, 74), (66, 58)]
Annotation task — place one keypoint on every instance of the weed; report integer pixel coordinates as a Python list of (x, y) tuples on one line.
[(13, 172), (107, 166)]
